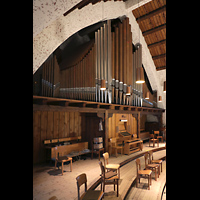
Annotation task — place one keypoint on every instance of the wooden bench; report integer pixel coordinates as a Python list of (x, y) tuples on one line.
[(70, 150)]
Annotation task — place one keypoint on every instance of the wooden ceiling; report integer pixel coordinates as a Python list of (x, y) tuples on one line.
[(151, 18)]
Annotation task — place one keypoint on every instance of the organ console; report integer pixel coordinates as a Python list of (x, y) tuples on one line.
[(110, 58)]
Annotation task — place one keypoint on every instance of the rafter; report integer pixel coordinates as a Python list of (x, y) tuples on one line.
[(153, 30), (157, 43), (159, 56), (151, 14)]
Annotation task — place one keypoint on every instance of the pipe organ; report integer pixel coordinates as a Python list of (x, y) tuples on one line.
[(106, 73)]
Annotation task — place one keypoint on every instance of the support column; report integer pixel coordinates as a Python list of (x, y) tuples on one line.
[(138, 124), (106, 131)]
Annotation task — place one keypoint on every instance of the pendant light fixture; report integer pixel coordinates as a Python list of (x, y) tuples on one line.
[(164, 90), (147, 95), (128, 91), (103, 84), (139, 75)]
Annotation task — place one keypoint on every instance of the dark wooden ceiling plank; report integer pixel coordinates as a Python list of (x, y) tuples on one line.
[(159, 56), (153, 30), (152, 13)]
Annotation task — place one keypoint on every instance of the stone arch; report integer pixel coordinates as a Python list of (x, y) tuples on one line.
[(45, 42)]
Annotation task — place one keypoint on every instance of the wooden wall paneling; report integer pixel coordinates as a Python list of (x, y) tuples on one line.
[(71, 124), (66, 124), (43, 134), (50, 125), (79, 124), (36, 136), (113, 126), (106, 131), (76, 123), (56, 125), (61, 124)]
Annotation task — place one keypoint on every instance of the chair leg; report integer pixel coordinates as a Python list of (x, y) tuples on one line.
[(114, 184), (150, 179), (117, 187), (55, 163), (148, 182), (137, 181), (155, 175)]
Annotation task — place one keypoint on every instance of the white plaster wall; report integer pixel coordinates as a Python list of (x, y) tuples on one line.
[(51, 28)]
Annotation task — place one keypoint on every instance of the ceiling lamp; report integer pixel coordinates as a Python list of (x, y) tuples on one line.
[(139, 75), (147, 95), (159, 99), (103, 84), (164, 90)]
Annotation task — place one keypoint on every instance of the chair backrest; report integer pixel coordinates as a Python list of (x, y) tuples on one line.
[(80, 180), (150, 156), (151, 136), (105, 157), (156, 132), (113, 141), (146, 158), (138, 166), (102, 168)]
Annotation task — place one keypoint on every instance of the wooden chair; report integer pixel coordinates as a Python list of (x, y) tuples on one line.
[(88, 194), (115, 146), (142, 173), (158, 136), (152, 139), (62, 160), (152, 161), (108, 178), (153, 167), (112, 167)]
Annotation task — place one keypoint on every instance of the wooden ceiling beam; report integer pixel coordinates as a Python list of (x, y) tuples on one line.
[(160, 68), (153, 30), (152, 13), (159, 56), (157, 43)]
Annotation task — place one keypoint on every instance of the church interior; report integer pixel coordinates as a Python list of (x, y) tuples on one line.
[(99, 99)]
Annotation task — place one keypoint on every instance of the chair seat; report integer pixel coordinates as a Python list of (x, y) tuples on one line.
[(153, 165), (145, 172), (153, 139), (112, 166), (110, 174), (92, 194), (64, 159), (157, 161)]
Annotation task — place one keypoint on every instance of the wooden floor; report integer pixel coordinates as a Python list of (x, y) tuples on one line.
[(50, 184), (141, 193)]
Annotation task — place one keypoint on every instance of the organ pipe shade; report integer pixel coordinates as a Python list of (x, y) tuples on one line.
[(159, 99), (164, 90), (103, 84), (139, 75), (128, 92)]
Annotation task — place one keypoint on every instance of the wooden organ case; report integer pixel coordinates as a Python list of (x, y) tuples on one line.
[(131, 143)]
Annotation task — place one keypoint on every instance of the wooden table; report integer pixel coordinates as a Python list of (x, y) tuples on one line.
[(97, 151), (63, 159)]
